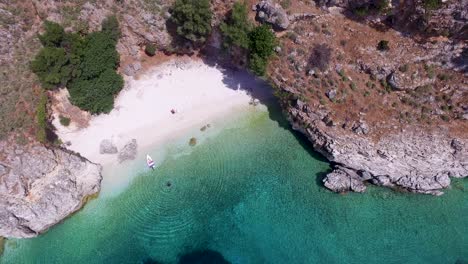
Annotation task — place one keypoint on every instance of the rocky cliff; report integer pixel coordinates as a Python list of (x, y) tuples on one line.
[(40, 186), (384, 115), (414, 160)]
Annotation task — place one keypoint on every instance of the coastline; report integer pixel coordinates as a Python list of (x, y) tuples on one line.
[(200, 94)]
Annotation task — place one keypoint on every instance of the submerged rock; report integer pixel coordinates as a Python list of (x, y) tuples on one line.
[(106, 147), (41, 187), (129, 151)]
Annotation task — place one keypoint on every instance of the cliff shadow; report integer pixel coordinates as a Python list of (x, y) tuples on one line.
[(203, 257)]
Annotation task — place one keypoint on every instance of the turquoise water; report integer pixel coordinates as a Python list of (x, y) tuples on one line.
[(251, 194)]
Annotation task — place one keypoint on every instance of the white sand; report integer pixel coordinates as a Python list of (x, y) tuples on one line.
[(198, 92)]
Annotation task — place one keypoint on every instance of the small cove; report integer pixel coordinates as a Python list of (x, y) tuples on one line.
[(248, 192)]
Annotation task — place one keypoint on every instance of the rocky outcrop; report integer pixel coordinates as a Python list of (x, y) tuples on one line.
[(129, 151), (272, 13), (39, 187), (415, 160), (107, 147)]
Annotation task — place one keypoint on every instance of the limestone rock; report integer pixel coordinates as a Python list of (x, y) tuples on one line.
[(41, 187), (132, 69), (272, 13), (129, 151), (106, 147), (416, 160)]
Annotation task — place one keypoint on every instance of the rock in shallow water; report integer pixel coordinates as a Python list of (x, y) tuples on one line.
[(129, 151), (106, 147), (41, 187)]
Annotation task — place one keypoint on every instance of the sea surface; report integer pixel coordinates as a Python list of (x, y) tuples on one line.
[(249, 192)]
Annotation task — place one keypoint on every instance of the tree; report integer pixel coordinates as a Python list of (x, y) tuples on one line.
[(86, 65), (261, 44), (51, 65), (96, 95), (193, 19), (258, 64), (262, 41), (150, 49), (53, 35), (237, 27), (99, 54)]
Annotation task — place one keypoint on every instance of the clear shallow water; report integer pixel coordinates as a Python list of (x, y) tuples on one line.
[(251, 194)]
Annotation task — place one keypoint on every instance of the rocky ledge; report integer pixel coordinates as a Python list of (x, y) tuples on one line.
[(41, 186), (413, 160)]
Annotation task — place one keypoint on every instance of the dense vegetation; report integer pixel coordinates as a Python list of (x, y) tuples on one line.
[(85, 64), (239, 33), (236, 28), (193, 19), (261, 44)]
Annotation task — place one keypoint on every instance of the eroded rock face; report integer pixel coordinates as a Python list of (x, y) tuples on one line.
[(39, 187), (417, 160)]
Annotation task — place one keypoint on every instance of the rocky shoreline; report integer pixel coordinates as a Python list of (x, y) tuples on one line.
[(413, 160), (41, 186)]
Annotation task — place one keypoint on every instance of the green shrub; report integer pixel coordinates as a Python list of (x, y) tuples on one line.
[(262, 41), (237, 27), (403, 68), (99, 54), (96, 95), (64, 121), (85, 64), (41, 118), (110, 26), (285, 4), (150, 49), (51, 65), (432, 4), (53, 35), (383, 45), (261, 44), (193, 19), (361, 11)]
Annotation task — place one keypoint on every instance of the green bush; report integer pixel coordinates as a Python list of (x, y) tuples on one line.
[(383, 45), (193, 19), (237, 27), (99, 54), (285, 4), (262, 41), (41, 118), (85, 64), (261, 44), (150, 49), (110, 26), (258, 64), (96, 95), (432, 4), (53, 36), (51, 65), (64, 121)]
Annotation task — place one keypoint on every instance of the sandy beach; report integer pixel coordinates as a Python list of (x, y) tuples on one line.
[(199, 93)]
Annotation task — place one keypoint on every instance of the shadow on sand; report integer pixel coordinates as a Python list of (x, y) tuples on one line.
[(257, 88)]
